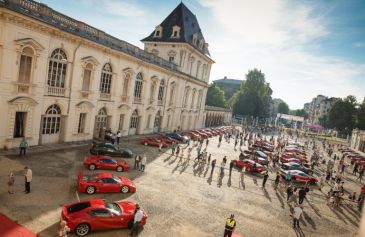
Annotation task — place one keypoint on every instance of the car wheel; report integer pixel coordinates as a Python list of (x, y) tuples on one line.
[(120, 169), (82, 229), (124, 189), (92, 167), (90, 190), (145, 143)]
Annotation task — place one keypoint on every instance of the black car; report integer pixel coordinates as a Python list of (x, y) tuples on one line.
[(109, 149), (178, 137)]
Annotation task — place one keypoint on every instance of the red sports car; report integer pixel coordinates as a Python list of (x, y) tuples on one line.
[(299, 176), (93, 162), (249, 164), (151, 141), (166, 139), (191, 134), (99, 214), (296, 160), (104, 183), (260, 160), (201, 134)]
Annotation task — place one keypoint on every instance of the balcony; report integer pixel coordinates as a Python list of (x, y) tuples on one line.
[(55, 91), (105, 96), (125, 99)]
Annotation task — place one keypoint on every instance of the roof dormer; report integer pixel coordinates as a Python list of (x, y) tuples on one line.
[(195, 38), (201, 44), (175, 32), (158, 31)]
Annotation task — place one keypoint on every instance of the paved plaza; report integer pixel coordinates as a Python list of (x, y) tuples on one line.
[(180, 200)]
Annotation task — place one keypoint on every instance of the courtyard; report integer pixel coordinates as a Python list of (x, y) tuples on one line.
[(180, 200)]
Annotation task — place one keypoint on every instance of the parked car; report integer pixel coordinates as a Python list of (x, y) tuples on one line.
[(298, 176), (178, 137), (166, 139), (250, 165), (261, 161), (191, 134), (99, 214), (93, 162), (151, 141), (296, 166), (296, 160), (201, 134), (104, 183), (111, 150)]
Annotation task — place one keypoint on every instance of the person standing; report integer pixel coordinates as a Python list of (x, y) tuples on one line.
[(206, 142), (361, 173), (143, 162), (210, 155), (138, 215), (302, 194), (289, 192), (173, 148), (266, 176), (119, 135), (230, 226), (298, 210), (28, 175), (136, 162), (213, 165), (113, 138), (230, 167), (23, 146), (160, 146), (223, 164), (277, 180), (11, 181), (64, 229), (220, 140)]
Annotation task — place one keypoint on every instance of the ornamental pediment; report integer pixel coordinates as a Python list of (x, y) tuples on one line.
[(29, 42)]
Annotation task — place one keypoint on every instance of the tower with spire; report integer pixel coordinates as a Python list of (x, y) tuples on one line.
[(180, 40)]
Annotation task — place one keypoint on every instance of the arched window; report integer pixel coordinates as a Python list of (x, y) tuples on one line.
[(157, 121), (138, 87), (134, 120), (161, 90), (193, 99), (185, 101), (25, 66), (52, 120), (106, 79), (87, 77), (57, 69)]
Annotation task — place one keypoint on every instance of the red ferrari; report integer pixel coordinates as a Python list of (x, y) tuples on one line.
[(151, 141), (191, 134), (104, 183), (167, 140), (296, 160), (93, 162), (249, 164), (99, 214), (299, 176)]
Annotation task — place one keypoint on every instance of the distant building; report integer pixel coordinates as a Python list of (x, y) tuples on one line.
[(216, 116), (358, 140), (318, 108), (312, 107), (274, 106), (229, 86), (306, 107)]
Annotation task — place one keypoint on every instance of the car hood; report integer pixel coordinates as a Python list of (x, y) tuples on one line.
[(126, 181)]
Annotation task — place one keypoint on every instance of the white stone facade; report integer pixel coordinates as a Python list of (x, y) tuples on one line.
[(57, 86)]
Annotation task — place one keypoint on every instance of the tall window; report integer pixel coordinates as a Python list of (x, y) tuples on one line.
[(19, 125), (193, 99), (87, 77), (199, 100), (52, 120), (138, 86), (25, 66), (156, 123), (57, 69), (106, 79), (172, 94), (82, 121), (161, 90), (126, 84), (134, 120), (185, 101), (152, 93), (198, 69)]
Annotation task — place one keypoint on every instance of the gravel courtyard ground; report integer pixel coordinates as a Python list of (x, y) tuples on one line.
[(179, 200)]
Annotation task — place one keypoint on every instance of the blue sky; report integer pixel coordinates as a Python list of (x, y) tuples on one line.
[(304, 48)]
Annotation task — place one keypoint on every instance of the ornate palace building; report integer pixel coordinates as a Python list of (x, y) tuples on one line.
[(62, 80)]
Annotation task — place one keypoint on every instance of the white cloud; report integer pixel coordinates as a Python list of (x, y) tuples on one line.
[(273, 35)]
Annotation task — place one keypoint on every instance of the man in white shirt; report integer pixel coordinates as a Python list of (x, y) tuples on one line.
[(138, 215), (28, 175), (143, 162), (298, 211)]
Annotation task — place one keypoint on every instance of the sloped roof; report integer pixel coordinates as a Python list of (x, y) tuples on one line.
[(226, 80), (181, 16)]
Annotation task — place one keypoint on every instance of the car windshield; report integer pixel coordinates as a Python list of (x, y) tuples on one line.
[(113, 206), (113, 161)]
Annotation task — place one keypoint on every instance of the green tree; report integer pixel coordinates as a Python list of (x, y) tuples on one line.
[(254, 97), (283, 108), (342, 115), (215, 97), (360, 117), (299, 112)]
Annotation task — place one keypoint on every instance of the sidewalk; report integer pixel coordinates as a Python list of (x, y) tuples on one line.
[(68, 145)]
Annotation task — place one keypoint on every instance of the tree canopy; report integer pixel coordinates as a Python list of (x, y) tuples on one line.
[(342, 115), (283, 108), (254, 96), (215, 97)]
